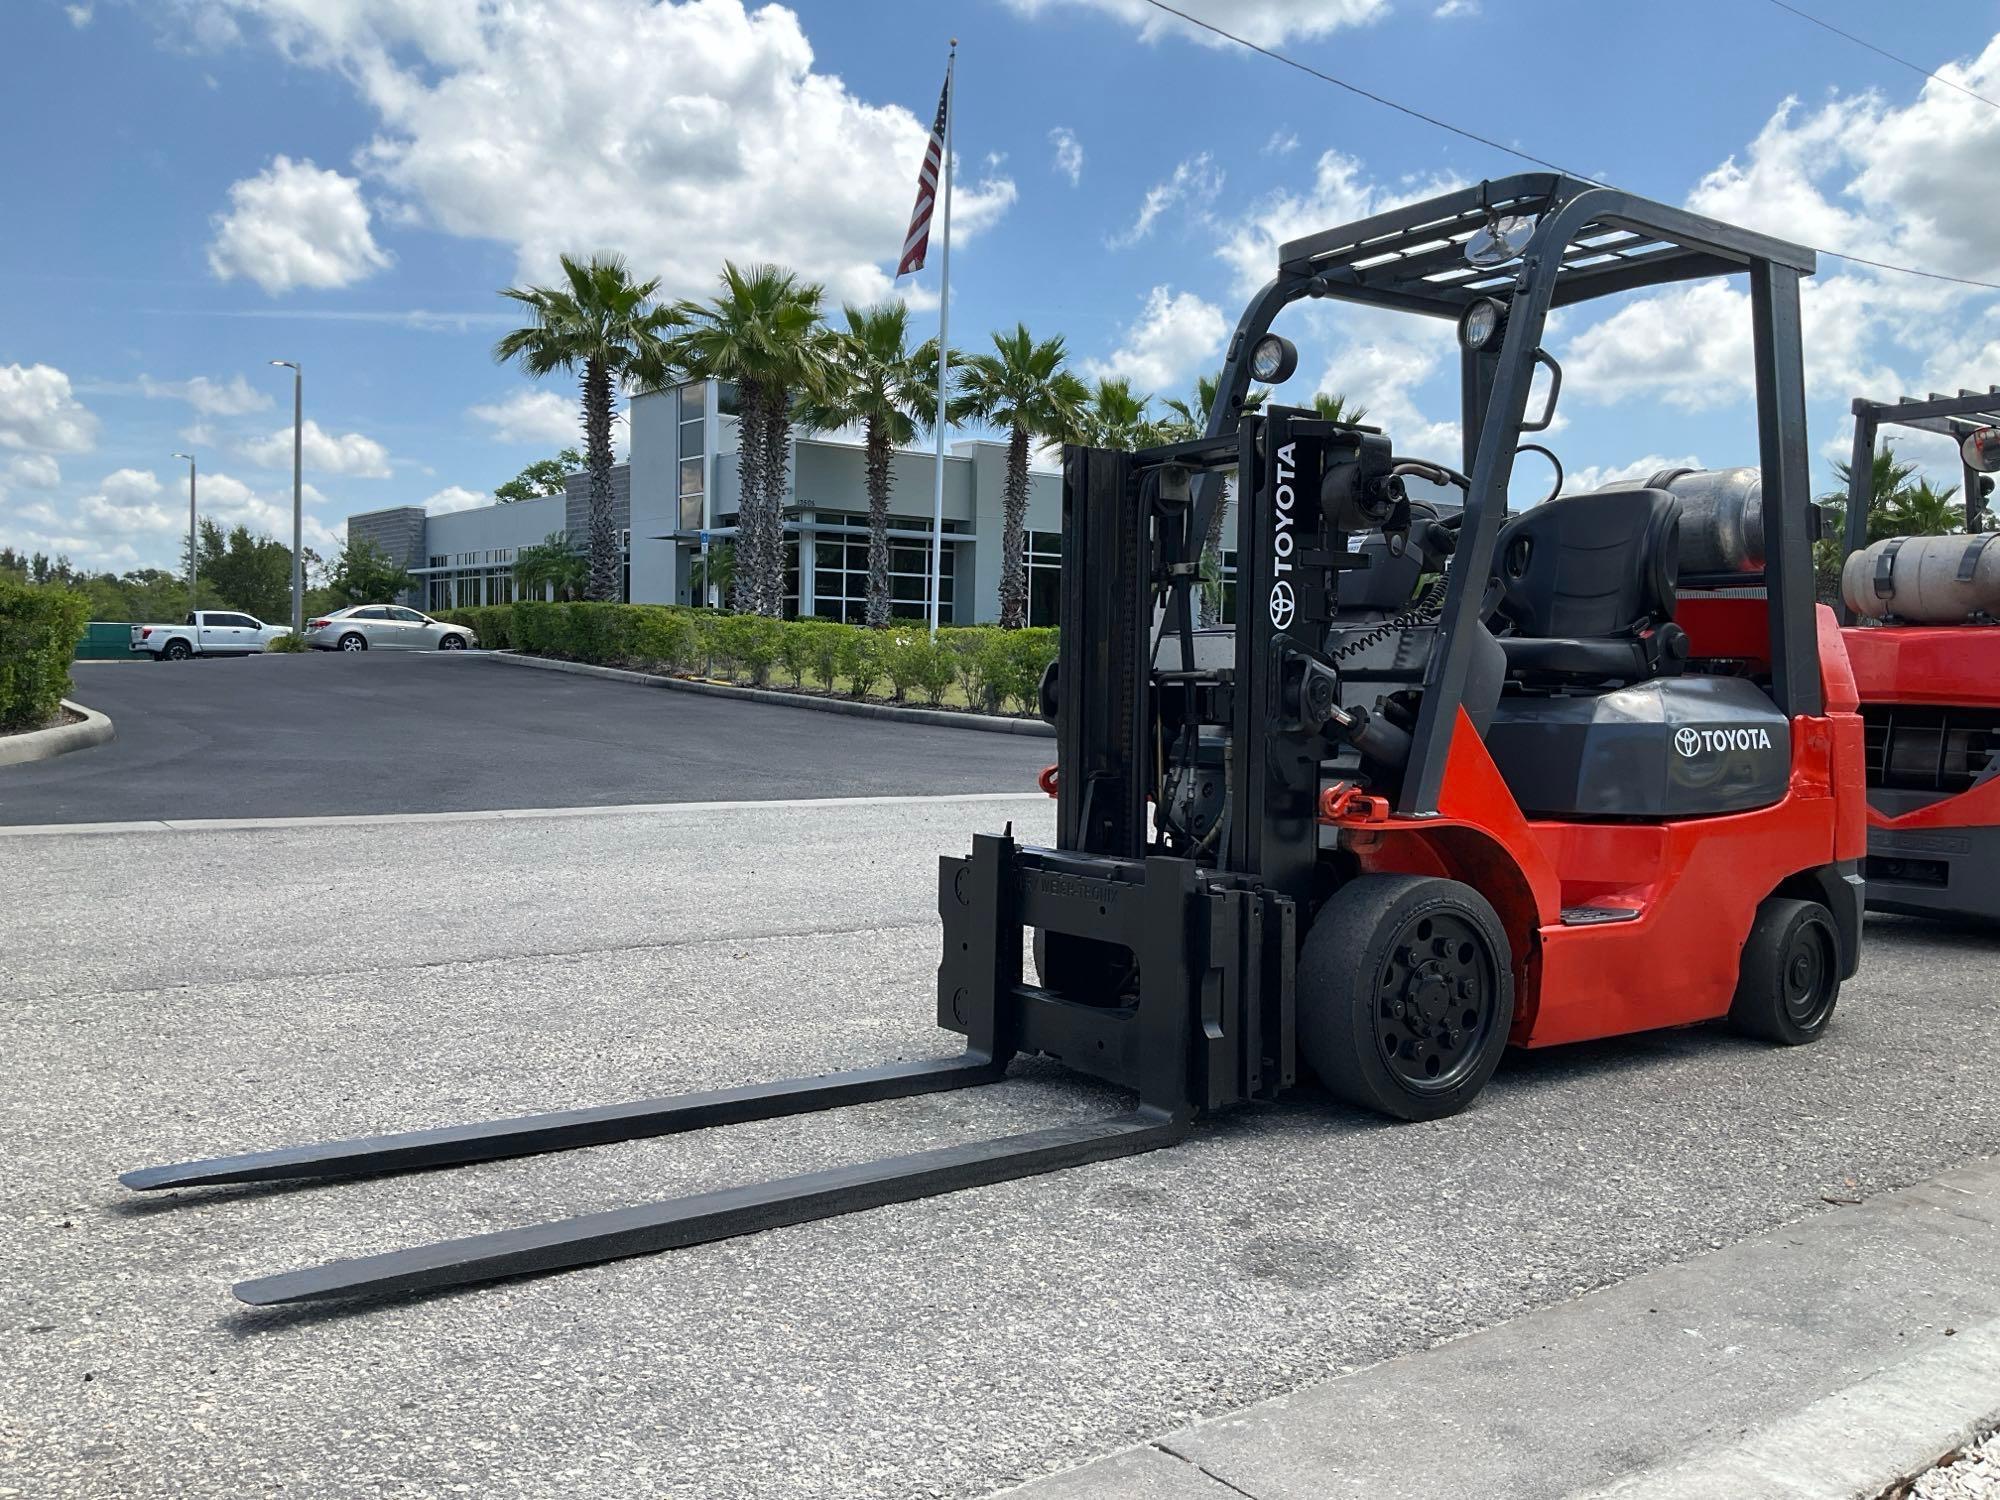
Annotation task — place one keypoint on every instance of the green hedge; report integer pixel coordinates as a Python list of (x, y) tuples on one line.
[(39, 629), (493, 624), (993, 669)]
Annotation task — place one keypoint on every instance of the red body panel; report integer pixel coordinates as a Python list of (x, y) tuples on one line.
[(1696, 882), (1952, 666)]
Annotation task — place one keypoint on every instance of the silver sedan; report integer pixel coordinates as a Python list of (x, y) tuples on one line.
[(373, 627)]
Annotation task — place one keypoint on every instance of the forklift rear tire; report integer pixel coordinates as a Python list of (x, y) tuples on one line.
[(1789, 979), (1405, 995)]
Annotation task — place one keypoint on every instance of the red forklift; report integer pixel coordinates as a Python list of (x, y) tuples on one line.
[(1923, 632), (1455, 781)]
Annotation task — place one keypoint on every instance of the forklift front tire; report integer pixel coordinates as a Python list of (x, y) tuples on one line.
[(1789, 979), (1405, 995)]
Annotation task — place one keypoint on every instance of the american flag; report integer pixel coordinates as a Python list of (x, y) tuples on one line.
[(918, 240)]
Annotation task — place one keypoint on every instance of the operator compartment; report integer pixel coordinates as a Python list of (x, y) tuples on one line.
[(1607, 711)]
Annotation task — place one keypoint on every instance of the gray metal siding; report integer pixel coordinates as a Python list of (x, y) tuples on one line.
[(398, 531), (577, 490)]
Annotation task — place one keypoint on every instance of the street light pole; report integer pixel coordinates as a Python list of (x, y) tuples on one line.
[(192, 555), (298, 491)]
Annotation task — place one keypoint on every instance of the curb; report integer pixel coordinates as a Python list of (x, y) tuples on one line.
[(935, 717), (44, 744)]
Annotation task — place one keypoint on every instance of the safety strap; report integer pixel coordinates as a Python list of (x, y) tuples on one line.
[(1968, 562), (1885, 569)]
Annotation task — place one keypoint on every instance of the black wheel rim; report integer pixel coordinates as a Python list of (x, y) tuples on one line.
[(1808, 975), (1436, 1000)]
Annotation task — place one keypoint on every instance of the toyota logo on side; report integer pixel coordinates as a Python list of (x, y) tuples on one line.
[(1687, 741), (1283, 604)]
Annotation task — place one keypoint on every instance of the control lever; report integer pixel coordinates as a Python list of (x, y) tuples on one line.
[(1311, 697), (1374, 736)]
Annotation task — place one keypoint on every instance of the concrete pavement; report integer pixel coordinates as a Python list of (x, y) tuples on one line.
[(328, 980)]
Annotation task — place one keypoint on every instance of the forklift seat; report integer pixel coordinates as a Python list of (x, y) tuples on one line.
[(1588, 588)]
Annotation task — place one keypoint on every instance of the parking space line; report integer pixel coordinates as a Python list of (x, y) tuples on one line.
[(487, 815)]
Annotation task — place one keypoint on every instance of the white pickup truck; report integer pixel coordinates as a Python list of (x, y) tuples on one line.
[(205, 632)]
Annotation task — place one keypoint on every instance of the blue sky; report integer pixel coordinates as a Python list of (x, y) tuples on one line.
[(199, 186)]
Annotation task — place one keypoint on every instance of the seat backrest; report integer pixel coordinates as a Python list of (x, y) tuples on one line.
[(1591, 566)]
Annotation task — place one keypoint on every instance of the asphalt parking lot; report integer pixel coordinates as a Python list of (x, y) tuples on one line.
[(943, 1348), (393, 732)]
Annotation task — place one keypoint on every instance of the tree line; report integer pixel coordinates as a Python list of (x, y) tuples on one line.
[(235, 569), (767, 332)]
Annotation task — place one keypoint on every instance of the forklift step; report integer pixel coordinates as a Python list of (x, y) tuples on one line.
[(565, 1130), (678, 1222), (1597, 916)]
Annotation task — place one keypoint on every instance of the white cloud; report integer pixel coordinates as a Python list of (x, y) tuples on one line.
[(455, 497), (294, 225), (677, 134), (1907, 184), (233, 397), (128, 485), (1175, 334), (1340, 193), (1690, 346), (79, 15), (1193, 183), (538, 416), (348, 453), (35, 471), (1453, 9), (39, 413), (1912, 184), (1281, 143), (1069, 153), (1599, 476), (230, 502), (1265, 22)]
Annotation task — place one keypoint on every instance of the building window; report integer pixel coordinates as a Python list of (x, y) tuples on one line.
[(840, 579), (1044, 577)]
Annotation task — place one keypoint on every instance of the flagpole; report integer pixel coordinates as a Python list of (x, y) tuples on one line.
[(944, 346)]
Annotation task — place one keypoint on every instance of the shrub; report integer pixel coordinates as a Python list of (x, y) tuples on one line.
[(751, 643), (1029, 653), (825, 640), (966, 646), (663, 636), (914, 662), (286, 643), (795, 650), (861, 659), (490, 624), (703, 652), (537, 626), (39, 629)]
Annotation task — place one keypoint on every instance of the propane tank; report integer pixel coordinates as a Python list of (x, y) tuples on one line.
[(1722, 518), (1930, 580)]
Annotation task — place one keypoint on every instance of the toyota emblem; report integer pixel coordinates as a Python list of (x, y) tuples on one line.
[(1283, 604), (1687, 741)]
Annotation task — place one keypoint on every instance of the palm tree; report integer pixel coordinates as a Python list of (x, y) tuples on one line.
[(609, 326), (1023, 387), (878, 383), (1186, 420), (550, 566), (1331, 406), (764, 334), (1888, 477), (1117, 418), (714, 569), (1918, 510)]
